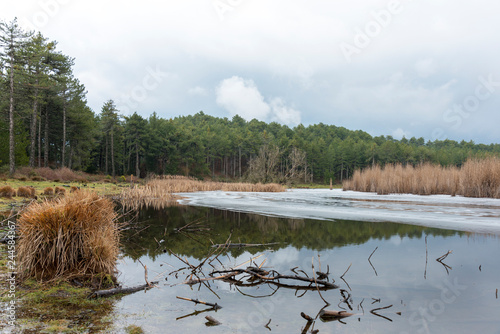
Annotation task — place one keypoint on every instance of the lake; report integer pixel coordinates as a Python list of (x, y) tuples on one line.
[(384, 247)]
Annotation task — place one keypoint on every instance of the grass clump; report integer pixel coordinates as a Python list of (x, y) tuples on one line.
[(28, 192), (49, 191), (73, 236), (7, 191), (60, 191)]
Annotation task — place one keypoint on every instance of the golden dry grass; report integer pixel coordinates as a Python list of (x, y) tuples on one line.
[(73, 236), (7, 191), (476, 178), (60, 191), (28, 192), (49, 191), (159, 192)]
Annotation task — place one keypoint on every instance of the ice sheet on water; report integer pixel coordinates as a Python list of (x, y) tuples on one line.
[(441, 211)]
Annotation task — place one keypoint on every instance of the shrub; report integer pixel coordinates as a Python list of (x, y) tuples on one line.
[(73, 189), (74, 236), (7, 191), (37, 178), (60, 191), (122, 179), (49, 191), (27, 192)]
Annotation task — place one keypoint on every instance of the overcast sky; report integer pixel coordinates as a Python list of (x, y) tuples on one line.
[(423, 68)]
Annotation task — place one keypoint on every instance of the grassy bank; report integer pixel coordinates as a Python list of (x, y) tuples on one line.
[(476, 178)]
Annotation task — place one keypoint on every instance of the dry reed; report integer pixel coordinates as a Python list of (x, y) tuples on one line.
[(159, 192), (73, 236), (60, 191), (49, 191), (7, 191), (28, 192), (476, 178)]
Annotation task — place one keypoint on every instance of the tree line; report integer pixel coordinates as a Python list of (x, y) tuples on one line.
[(46, 122)]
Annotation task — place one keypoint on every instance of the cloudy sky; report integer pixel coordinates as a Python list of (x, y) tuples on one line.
[(423, 68)]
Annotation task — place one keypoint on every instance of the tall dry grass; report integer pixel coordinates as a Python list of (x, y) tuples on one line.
[(159, 192), (73, 236), (476, 178)]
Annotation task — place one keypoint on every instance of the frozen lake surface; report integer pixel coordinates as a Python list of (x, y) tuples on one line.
[(441, 211)]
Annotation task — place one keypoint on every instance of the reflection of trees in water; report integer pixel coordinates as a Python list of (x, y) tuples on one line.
[(251, 229)]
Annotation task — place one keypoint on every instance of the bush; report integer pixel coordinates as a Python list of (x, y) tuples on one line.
[(27, 192), (74, 236), (7, 191), (60, 191), (49, 191), (122, 179)]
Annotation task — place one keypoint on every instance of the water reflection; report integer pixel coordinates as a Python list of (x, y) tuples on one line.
[(152, 226), (393, 285)]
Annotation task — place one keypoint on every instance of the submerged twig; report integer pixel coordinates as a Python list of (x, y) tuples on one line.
[(196, 301), (371, 261)]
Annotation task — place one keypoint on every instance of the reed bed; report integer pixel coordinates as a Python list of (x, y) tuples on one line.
[(72, 236), (160, 191), (476, 178)]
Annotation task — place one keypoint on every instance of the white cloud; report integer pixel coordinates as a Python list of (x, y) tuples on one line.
[(241, 97), (284, 114), (400, 133)]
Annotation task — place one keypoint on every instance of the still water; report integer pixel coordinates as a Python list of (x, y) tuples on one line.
[(385, 265)]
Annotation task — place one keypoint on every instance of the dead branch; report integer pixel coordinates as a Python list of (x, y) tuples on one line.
[(441, 258), (121, 290), (241, 245), (195, 313), (328, 315), (196, 301), (371, 261), (379, 315), (277, 277)]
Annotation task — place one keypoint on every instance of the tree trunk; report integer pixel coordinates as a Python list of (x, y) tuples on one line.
[(40, 141), (112, 152), (106, 156), (64, 129), (137, 171), (46, 140), (34, 117), (12, 145)]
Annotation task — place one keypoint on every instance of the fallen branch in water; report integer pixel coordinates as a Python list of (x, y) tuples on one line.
[(328, 315), (196, 301), (371, 261), (121, 290), (236, 245), (379, 315), (260, 274)]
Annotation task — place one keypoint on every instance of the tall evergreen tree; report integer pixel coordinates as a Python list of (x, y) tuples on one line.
[(12, 39)]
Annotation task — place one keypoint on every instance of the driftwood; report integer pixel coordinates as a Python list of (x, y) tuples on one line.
[(327, 315), (236, 245), (196, 301), (271, 279), (121, 290)]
